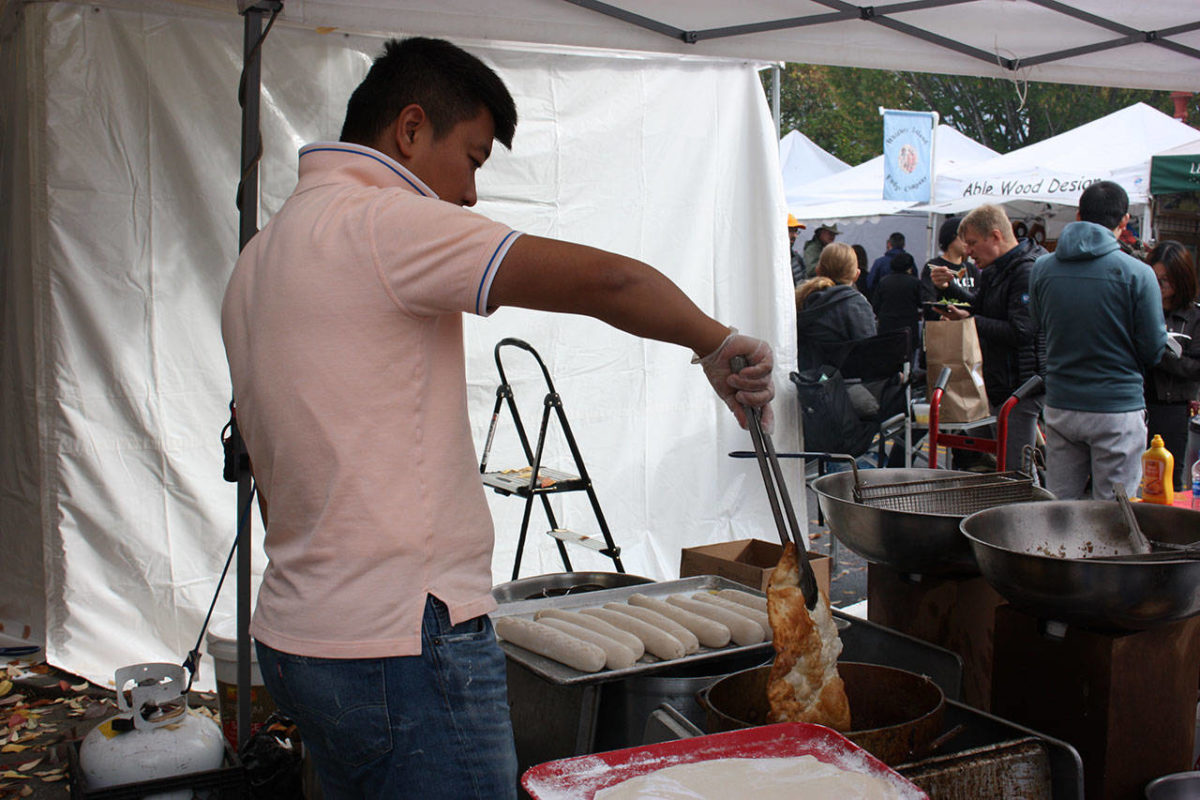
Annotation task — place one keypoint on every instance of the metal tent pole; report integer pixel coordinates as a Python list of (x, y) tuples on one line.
[(249, 93)]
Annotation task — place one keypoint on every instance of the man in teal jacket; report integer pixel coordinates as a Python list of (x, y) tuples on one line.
[(1101, 313)]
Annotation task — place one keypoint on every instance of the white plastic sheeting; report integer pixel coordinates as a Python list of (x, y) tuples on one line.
[(120, 154)]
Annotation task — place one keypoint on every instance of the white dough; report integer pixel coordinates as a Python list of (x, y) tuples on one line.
[(725, 778)]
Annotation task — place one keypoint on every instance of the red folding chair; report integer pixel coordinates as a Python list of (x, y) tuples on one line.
[(965, 442)]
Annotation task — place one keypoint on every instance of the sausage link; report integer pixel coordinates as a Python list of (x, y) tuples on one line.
[(743, 630), (658, 642), (599, 626), (751, 614), (616, 655), (744, 598), (690, 643), (709, 632), (551, 643)]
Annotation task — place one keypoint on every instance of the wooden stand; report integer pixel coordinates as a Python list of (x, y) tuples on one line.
[(1127, 702), (954, 613)]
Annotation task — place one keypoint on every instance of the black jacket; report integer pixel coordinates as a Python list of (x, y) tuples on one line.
[(1176, 379), (831, 317), (897, 302), (1013, 349)]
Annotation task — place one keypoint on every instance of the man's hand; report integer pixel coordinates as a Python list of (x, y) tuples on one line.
[(949, 311), (941, 276), (750, 387)]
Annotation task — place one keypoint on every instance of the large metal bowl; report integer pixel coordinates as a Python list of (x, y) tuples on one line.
[(1040, 557), (894, 714), (907, 541)]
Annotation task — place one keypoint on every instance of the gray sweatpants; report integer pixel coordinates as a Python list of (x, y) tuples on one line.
[(1106, 447)]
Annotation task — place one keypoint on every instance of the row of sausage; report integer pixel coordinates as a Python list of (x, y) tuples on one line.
[(617, 635)]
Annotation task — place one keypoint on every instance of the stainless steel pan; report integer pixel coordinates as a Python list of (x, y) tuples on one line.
[(1056, 560), (907, 541)]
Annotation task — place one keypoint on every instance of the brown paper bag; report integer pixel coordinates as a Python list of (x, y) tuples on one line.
[(955, 344)]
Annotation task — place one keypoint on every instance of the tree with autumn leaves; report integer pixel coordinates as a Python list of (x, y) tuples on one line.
[(838, 107)]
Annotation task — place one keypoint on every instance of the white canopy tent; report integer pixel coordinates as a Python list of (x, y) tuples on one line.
[(858, 191), (119, 156), (1117, 147), (854, 198), (802, 160)]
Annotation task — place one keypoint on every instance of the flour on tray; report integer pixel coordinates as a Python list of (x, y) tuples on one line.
[(718, 779)]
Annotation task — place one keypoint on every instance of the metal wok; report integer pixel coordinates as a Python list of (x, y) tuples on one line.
[(895, 715), (907, 541), (1041, 558)]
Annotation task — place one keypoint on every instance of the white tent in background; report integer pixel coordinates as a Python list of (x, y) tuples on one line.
[(1117, 147), (858, 191), (854, 198), (801, 160)]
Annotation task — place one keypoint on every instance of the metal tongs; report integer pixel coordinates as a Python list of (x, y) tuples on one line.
[(777, 494)]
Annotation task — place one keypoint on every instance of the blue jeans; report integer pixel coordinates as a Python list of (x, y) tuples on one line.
[(429, 726)]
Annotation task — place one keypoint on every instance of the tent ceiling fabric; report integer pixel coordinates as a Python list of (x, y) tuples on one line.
[(1150, 45), (1101, 42)]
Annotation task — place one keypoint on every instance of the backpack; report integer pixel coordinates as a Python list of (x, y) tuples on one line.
[(831, 425)]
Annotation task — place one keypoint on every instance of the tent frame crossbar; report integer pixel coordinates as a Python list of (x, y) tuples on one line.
[(882, 15)]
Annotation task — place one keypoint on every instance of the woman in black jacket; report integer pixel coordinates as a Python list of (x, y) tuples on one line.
[(829, 310), (1172, 385)]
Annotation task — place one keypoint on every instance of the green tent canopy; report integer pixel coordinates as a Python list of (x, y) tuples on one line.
[(1176, 170)]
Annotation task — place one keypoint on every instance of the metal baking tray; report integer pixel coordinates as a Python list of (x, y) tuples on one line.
[(553, 671)]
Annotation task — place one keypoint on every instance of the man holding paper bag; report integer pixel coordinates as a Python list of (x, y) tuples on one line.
[(1012, 349)]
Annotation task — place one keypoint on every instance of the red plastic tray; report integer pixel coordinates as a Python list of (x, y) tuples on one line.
[(579, 778)]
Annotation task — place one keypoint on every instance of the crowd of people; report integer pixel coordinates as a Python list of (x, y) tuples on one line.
[(1110, 333)]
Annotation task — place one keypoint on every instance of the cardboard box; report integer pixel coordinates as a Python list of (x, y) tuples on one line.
[(747, 561)]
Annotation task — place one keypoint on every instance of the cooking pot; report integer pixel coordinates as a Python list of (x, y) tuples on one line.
[(556, 584), (1041, 558), (894, 714), (906, 541)]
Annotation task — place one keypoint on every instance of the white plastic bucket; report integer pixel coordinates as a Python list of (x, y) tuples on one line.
[(222, 646)]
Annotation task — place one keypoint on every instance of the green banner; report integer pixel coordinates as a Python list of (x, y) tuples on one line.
[(1172, 174)]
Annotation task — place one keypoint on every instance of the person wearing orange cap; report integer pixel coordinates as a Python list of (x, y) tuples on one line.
[(798, 268)]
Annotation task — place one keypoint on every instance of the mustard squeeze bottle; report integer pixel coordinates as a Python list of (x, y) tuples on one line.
[(1158, 474)]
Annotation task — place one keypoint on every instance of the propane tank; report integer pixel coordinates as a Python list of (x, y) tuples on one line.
[(154, 736)]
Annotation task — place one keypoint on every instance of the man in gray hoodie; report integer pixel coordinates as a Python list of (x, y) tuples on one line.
[(1101, 313)]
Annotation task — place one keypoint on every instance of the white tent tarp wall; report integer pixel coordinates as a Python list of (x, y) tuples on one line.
[(1117, 147), (120, 152)]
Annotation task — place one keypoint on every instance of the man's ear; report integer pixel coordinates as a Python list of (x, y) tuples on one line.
[(410, 124)]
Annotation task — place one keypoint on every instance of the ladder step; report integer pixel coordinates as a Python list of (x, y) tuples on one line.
[(516, 481), (571, 537)]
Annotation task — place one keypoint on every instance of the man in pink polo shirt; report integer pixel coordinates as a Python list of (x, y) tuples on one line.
[(343, 329)]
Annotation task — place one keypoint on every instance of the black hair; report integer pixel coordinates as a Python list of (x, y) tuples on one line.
[(948, 232), (903, 262), (1104, 203), (896, 240), (449, 83), (1181, 271), (861, 253)]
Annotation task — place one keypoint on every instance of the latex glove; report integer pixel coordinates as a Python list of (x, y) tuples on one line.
[(753, 386)]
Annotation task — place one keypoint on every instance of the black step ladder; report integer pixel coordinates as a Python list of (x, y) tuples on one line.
[(536, 481)]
